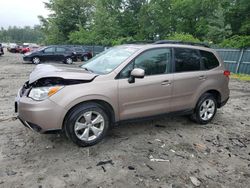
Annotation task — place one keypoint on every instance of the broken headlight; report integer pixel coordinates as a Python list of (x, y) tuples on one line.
[(42, 93)]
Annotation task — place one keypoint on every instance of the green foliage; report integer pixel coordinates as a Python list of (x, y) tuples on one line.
[(242, 77), (238, 16), (81, 36), (21, 35), (183, 37), (111, 22), (106, 22), (66, 17), (236, 41), (122, 40), (217, 29)]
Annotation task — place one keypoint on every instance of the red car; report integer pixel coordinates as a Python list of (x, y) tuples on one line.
[(25, 49)]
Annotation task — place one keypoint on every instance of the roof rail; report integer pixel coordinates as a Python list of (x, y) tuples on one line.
[(139, 42), (181, 42)]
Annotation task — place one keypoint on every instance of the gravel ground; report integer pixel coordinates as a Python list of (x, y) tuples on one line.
[(215, 155)]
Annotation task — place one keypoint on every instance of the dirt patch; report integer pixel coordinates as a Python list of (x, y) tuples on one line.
[(215, 155)]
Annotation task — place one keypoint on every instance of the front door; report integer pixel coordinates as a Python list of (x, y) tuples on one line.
[(150, 95)]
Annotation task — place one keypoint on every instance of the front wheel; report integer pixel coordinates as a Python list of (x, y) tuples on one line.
[(36, 60), (87, 124), (205, 110)]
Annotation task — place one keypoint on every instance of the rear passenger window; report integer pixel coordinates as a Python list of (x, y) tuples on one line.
[(186, 60), (208, 59)]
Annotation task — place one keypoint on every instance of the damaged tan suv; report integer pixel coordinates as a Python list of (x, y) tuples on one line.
[(124, 83)]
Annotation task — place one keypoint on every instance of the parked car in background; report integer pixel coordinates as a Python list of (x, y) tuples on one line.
[(14, 48), (82, 53), (51, 53), (34, 47), (24, 49), (4, 45), (124, 83), (1, 49)]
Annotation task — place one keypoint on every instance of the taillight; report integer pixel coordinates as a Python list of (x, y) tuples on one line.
[(227, 73)]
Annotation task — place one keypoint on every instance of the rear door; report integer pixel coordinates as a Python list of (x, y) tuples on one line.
[(60, 53), (150, 95), (188, 77)]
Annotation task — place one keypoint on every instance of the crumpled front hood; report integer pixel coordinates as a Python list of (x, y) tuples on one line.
[(46, 71)]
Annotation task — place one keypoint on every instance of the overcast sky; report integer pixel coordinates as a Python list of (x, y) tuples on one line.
[(21, 12)]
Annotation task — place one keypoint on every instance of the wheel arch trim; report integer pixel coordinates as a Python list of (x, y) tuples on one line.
[(104, 104)]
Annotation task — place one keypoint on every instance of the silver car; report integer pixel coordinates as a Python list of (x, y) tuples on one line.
[(124, 83)]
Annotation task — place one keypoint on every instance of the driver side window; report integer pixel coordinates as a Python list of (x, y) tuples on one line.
[(153, 62)]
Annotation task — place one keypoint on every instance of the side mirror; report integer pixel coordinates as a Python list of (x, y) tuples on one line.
[(136, 73)]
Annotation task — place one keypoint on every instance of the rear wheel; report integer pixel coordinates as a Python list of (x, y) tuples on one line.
[(85, 58), (86, 124), (205, 110), (68, 60), (36, 60)]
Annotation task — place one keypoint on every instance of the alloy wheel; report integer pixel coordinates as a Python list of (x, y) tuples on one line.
[(89, 126), (207, 109), (36, 60), (69, 61)]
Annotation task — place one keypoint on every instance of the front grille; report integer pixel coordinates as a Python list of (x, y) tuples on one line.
[(22, 91), (34, 127), (25, 87)]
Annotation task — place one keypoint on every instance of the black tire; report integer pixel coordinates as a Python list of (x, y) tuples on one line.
[(76, 113), (85, 58), (68, 60), (36, 60), (196, 116)]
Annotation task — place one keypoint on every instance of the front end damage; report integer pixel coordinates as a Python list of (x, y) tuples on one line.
[(41, 116)]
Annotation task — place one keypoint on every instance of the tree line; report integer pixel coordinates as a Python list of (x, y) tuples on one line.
[(223, 23), (110, 22), (21, 35)]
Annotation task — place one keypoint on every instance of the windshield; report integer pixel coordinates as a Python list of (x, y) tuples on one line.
[(41, 48), (108, 60)]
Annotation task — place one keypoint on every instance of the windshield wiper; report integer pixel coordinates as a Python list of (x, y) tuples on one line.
[(85, 68)]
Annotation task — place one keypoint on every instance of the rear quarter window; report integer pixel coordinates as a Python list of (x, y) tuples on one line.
[(208, 60)]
